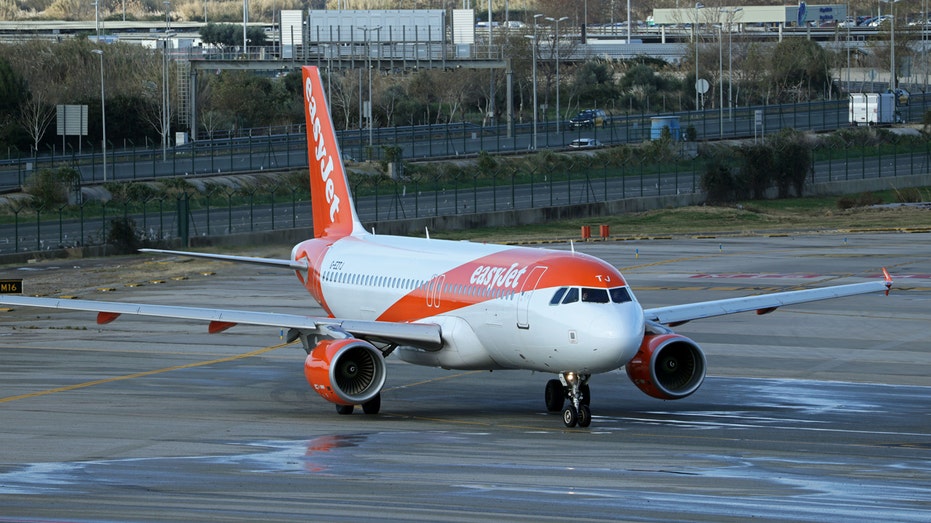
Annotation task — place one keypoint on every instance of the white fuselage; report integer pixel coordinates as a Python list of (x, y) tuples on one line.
[(492, 302)]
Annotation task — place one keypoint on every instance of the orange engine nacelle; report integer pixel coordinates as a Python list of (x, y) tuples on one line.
[(667, 366), (345, 372)]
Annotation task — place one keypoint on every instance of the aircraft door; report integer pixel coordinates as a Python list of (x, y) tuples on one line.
[(523, 297), (435, 291)]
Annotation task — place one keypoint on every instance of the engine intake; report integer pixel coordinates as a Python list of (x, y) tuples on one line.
[(345, 372), (667, 366)]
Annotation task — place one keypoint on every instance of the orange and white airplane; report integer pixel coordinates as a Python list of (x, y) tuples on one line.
[(460, 305)]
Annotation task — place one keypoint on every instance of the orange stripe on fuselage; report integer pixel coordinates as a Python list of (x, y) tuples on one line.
[(500, 275)]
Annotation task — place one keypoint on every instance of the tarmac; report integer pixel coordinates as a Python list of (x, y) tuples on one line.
[(817, 412)]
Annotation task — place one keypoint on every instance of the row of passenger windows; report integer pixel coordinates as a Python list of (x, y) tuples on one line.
[(369, 280), (590, 295), (448, 289)]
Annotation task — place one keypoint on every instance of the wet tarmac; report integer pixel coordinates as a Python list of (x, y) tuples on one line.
[(818, 412)]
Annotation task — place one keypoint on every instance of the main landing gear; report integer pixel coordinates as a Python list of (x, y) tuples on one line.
[(573, 387)]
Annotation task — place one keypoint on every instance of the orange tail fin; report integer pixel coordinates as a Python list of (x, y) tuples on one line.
[(334, 212)]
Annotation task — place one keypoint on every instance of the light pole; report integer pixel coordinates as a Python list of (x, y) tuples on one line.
[(533, 53), (368, 53), (166, 90), (892, 82), (698, 5), (245, 21), (730, 60), (721, 79), (556, 48), (97, 19), (103, 113)]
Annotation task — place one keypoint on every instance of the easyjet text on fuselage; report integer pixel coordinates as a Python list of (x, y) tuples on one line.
[(507, 277)]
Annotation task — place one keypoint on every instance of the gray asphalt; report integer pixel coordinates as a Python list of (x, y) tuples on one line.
[(817, 412)]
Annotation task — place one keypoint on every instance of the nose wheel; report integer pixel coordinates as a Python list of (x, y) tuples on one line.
[(573, 387)]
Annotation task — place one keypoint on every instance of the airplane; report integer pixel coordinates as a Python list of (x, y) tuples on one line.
[(459, 305)]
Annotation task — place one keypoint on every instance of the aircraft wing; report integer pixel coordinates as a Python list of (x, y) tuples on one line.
[(287, 264), (422, 335), (762, 304)]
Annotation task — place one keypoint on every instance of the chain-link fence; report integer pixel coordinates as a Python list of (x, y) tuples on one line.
[(557, 180), (284, 148)]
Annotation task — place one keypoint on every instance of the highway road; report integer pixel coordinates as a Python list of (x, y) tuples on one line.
[(275, 152)]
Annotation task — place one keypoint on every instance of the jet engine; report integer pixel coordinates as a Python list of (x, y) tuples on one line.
[(345, 371), (667, 366)]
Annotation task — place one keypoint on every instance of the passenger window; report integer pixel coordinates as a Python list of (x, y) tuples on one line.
[(558, 296), (595, 295), (620, 295), (572, 295)]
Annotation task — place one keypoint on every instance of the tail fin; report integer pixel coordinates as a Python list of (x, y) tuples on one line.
[(334, 212)]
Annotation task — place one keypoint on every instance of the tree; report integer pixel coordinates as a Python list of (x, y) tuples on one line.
[(49, 188), (593, 84), (717, 181), (792, 162), (798, 68), (756, 169), (230, 35)]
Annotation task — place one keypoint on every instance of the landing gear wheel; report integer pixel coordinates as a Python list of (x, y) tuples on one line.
[(344, 410), (570, 416), (586, 394), (585, 416), (373, 405), (555, 396)]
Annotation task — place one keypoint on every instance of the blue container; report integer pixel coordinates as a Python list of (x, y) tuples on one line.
[(657, 123)]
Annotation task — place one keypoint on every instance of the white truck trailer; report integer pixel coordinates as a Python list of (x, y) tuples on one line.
[(872, 109)]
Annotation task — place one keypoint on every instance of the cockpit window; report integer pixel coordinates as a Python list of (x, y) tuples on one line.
[(558, 296), (620, 295), (572, 295), (594, 295)]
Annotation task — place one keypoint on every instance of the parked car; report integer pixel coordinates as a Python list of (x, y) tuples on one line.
[(880, 21), (849, 22), (585, 143), (589, 118), (901, 95)]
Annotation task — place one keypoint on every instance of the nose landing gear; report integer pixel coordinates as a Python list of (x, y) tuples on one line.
[(573, 387)]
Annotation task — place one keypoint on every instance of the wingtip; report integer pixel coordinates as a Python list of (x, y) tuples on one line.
[(888, 280)]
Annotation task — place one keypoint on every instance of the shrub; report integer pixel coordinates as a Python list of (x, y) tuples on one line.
[(123, 236), (49, 188)]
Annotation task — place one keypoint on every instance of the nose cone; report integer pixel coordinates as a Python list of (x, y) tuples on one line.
[(615, 334)]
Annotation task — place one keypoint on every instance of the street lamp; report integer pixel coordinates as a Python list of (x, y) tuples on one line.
[(245, 22), (730, 62), (166, 89), (103, 113), (556, 48), (721, 79), (698, 5), (891, 43), (533, 52), (368, 53), (97, 19)]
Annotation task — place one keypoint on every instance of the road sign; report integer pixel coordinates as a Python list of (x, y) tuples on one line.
[(702, 85)]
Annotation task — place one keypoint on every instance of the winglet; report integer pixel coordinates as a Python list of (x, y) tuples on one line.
[(888, 280), (333, 211)]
